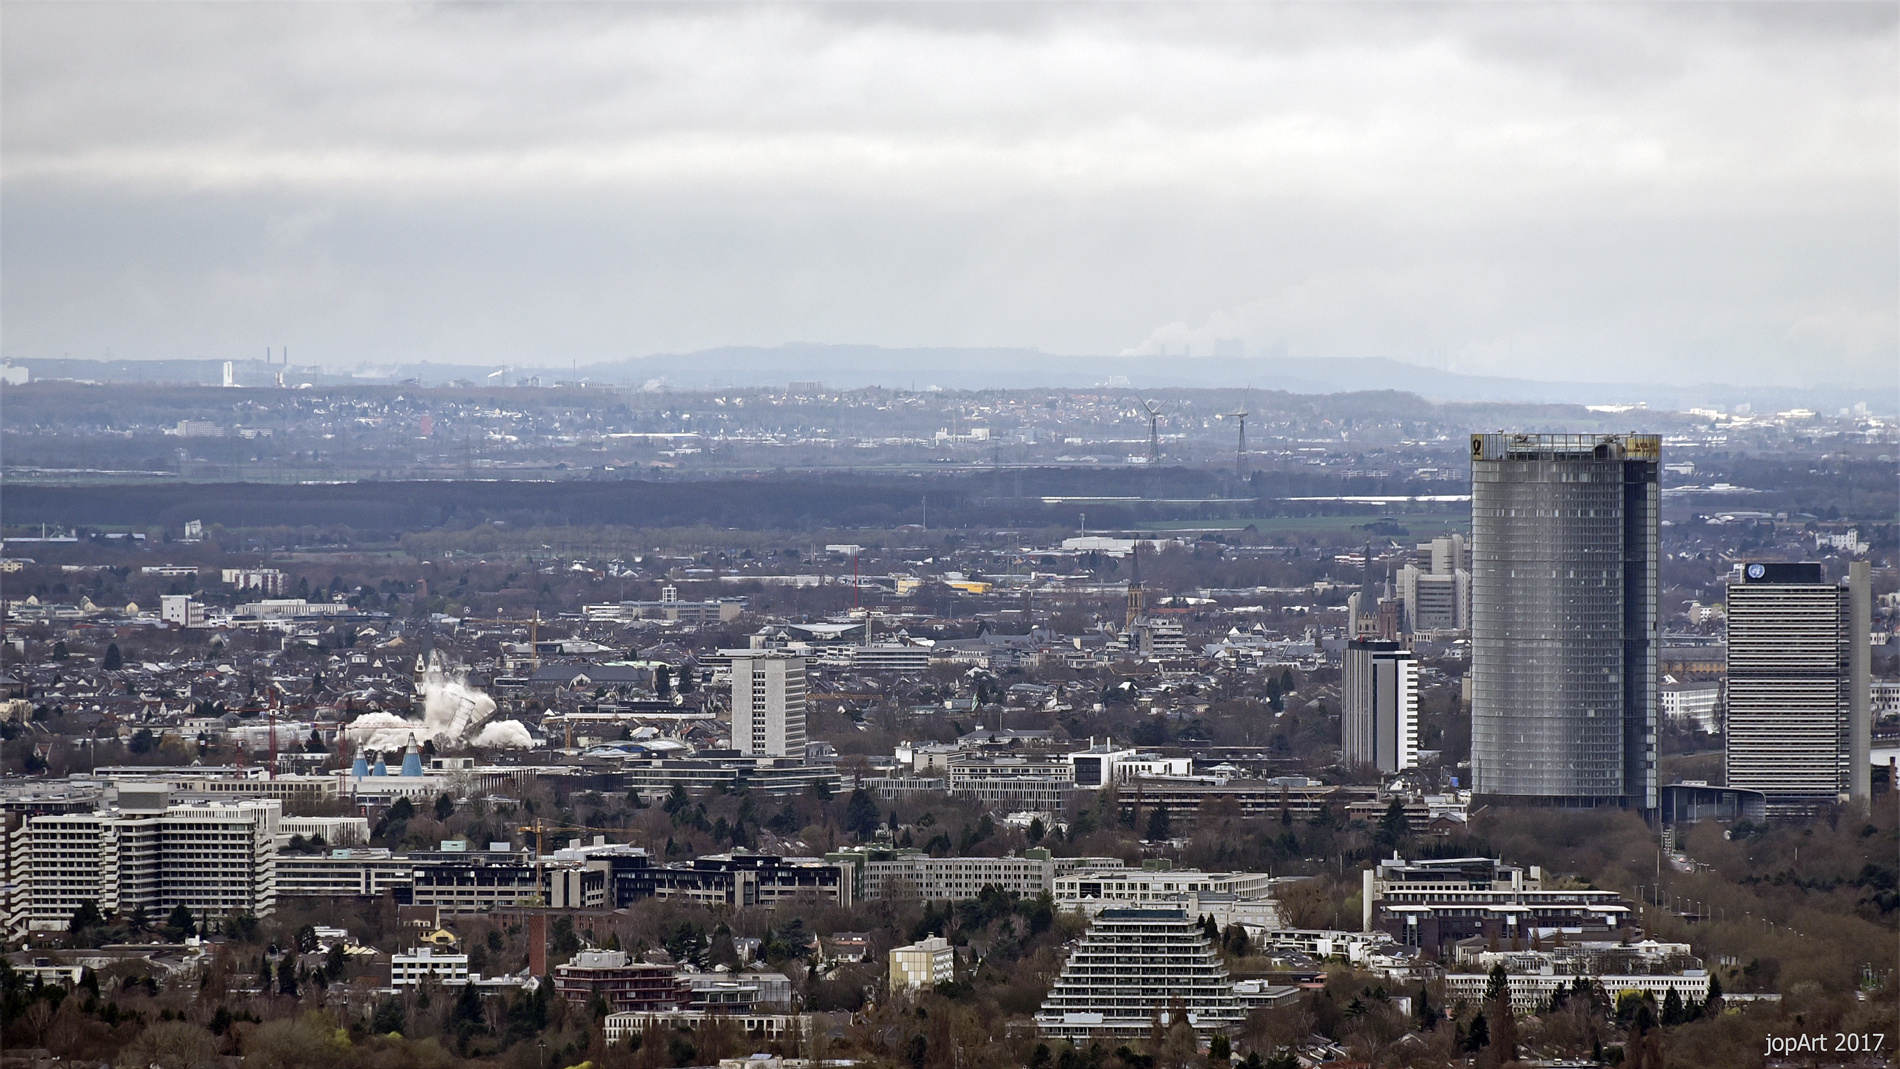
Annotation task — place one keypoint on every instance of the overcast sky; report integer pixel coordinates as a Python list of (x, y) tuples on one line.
[(1678, 193)]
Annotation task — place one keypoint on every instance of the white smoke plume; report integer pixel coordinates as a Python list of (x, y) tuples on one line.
[(504, 734), (454, 715)]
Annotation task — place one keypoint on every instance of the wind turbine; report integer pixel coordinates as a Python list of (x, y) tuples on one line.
[(1154, 437), (1240, 450)]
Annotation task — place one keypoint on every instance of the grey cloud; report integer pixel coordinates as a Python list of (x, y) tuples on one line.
[(1667, 192)]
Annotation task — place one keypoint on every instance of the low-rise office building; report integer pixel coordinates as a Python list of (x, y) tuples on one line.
[(358, 871), (915, 874), (748, 991), (228, 782), (740, 879), (1092, 891), (1015, 780), (1530, 992), (454, 881), (1184, 798), (1435, 903), (709, 770), (1104, 763), (334, 831), (1691, 705), (769, 1027)]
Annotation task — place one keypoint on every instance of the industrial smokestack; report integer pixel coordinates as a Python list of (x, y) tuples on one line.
[(538, 944)]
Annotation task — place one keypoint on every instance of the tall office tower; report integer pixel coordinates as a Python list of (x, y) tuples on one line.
[(1436, 591), (768, 703), (1380, 708), (1798, 717), (1563, 619)]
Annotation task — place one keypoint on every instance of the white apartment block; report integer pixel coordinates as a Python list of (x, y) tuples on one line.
[(214, 858), (768, 703), (923, 964), (419, 965)]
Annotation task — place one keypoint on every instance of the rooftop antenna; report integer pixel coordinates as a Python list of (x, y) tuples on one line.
[(1153, 409)]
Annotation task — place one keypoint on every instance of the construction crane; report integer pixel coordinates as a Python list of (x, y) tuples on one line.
[(534, 633), (1153, 408), (541, 827)]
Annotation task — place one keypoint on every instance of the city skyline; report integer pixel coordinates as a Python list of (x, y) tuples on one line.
[(949, 536)]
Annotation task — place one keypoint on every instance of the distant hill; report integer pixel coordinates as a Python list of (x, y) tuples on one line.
[(854, 366)]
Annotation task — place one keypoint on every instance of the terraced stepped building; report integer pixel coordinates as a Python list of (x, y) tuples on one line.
[(1128, 970)]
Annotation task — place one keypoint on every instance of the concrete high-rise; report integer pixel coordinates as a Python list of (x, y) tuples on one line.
[(1563, 618), (1436, 590), (768, 703), (1379, 710), (146, 851), (1798, 696)]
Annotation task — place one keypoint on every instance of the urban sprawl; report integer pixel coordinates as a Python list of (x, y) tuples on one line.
[(1059, 729)]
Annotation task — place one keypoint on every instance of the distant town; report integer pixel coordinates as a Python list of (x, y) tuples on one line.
[(546, 725)]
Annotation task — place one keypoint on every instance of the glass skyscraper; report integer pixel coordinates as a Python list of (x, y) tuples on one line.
[(1563, 619)]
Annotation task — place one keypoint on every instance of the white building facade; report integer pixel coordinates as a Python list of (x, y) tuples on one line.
[(1129, 969), (768, 703), (216, 859), (923, 964)]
